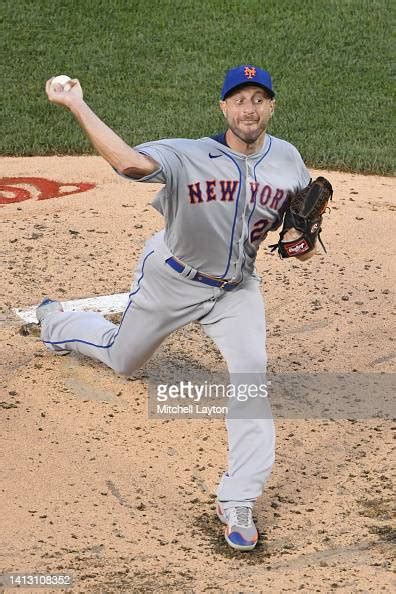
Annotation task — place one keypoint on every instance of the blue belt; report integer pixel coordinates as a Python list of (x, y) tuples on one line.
[(203, 278)]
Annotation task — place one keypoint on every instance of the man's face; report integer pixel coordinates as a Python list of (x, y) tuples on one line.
[(248, 111)]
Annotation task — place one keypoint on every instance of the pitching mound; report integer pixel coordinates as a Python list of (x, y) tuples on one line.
[(91, 486)]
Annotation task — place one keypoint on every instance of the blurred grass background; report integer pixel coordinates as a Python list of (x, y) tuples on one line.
[(153, 69)]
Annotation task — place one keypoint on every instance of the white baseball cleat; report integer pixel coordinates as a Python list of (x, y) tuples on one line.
[(240, 532)]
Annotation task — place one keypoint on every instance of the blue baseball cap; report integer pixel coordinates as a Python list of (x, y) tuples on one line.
[(246, 75)]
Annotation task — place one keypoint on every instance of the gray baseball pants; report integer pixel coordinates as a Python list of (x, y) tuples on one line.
[(161, 301)]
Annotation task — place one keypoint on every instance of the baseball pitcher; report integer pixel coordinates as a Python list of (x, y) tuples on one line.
[(221, 195)]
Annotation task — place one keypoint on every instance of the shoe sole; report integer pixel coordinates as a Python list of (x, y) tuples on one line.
[(223, 520), (239, 547)]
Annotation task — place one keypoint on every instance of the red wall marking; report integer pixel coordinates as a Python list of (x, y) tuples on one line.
[(47, 188)]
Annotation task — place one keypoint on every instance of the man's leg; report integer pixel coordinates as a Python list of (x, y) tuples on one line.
[(237, 326), (160, 302)]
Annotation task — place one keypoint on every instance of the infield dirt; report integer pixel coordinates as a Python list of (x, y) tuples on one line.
[(126, 503)]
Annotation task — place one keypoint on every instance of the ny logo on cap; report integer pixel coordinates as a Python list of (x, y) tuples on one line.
[(250, 72)]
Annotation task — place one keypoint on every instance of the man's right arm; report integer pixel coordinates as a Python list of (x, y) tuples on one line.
[(118, 153)]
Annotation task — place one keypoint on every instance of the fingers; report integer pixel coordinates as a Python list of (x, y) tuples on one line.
[(51, 89), (73, 83), (66, 95), (57, 89)]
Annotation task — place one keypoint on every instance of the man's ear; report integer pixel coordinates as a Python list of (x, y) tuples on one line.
[(223, 107), (273, 104)]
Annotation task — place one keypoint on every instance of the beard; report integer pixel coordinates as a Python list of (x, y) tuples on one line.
[(248, 136)]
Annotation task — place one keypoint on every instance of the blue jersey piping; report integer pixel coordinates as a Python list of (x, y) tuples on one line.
[(236, 210), (255, 198), (107, 346), (255, 178)]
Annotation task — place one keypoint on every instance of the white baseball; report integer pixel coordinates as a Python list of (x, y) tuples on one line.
[(62, 79)]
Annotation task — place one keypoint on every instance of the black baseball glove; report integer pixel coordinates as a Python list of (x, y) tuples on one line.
[(304, 213)]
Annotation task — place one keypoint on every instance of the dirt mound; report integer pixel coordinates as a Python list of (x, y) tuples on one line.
[(92, 486)]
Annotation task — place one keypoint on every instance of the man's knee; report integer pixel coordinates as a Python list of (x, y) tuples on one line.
[(124, 366), (126, 363)]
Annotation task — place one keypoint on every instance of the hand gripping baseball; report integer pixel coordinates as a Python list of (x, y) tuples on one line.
[(303, 216), (64, 94)]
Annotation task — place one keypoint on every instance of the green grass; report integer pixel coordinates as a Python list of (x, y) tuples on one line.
[(153, 69)]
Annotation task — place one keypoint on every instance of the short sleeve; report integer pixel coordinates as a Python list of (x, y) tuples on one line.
[(167, 155)]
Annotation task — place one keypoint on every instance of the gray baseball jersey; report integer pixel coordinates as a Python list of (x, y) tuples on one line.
[(219, 204)]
